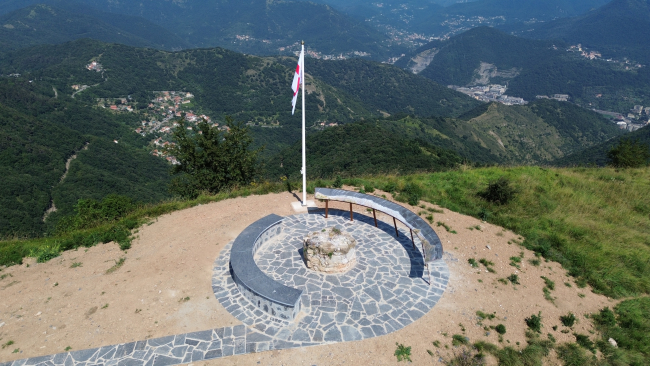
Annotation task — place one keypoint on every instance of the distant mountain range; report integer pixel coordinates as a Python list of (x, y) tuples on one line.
[(529, 68), (619, 29), (45, 24), (255, 27)]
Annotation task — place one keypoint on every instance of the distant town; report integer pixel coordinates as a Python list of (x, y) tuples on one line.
[(490, 93)]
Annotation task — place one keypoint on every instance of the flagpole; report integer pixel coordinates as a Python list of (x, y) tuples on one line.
[(304, 155)]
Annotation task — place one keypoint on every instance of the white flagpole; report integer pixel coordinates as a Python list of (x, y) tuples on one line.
[(304, 155)]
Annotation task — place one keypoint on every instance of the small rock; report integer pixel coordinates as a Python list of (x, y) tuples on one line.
[(2, 324), (487, 246), (37, 314), (613, 342)]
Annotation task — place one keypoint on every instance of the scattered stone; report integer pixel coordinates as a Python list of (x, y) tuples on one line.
[(37, 314), (2, 324), (613, 342), (487, 246)]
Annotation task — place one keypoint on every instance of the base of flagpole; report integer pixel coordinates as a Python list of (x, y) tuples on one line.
[(300, 207)]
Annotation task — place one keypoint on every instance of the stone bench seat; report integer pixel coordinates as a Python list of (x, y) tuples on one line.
[(267, 294), (431, 245)]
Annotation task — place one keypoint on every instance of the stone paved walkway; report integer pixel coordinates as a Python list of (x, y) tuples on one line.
[(384, 292)]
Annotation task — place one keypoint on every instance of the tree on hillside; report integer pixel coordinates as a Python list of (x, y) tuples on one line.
[(629, 154), (212, 160)]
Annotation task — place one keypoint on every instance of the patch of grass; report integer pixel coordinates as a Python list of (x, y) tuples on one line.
[(472, 262), (501, 329), (572, 354), (585, 342), (488, 265), (184, 299), (430, 219), (16, 350), (534, 322), (449, 230), (477, 227), (629, 325), (483, 315), (514, 279), (550, 284), (515, 262), (105, 306), (9, 343), (503, 281), (435, 210), (403, 353), (436, 344), (466, 357), (5, 276), (68, 348), (547, 295), (535, 262), (118, 264), (76, 264), (567, 284), (458, 340), (568, 320)]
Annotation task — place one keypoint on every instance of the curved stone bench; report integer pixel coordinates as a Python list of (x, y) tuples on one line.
[(268, 295), (431, 245)]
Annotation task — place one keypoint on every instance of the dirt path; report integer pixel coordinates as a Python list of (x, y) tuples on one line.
[(72, 302), (52, 207)]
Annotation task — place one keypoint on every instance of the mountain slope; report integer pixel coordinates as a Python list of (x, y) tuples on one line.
[(531, 67), (256, 26), (43, 24), (597, 155), (620, 28)]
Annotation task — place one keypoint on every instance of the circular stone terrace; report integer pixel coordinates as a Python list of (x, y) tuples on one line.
[(385, 291)]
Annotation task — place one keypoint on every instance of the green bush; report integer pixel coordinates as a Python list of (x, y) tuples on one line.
[(629, 154), (338, 182), (501, 329), (500, 191), (534, 322), (568, 320)]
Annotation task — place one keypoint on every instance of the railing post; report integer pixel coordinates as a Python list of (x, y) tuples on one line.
[(395, 223), (351, 217), (412, 241), (374, 214)]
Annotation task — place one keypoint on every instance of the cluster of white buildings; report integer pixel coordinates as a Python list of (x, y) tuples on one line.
[(490, 93)]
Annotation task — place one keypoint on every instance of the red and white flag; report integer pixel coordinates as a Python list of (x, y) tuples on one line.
[(297, 80)]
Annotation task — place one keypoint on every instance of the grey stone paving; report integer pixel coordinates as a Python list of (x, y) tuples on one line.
[(383, 293)]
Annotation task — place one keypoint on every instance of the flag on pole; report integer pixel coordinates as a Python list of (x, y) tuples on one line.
[(297, 80)]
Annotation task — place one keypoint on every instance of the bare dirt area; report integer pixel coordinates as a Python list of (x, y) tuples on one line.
[(163, 288)]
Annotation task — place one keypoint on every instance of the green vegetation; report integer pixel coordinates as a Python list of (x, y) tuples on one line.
[(76, 265), (483, 315), (568, 320), (514, 279), (118, 264), (64, 22), (472, 262), (629, 154), (211, 161), (501, 329), (403, 353), (488, 265), (9, 343), (458, 340), (629, 326), (449, 230), (534, 322)]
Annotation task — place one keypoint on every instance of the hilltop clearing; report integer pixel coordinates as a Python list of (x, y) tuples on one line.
[(163, 287)]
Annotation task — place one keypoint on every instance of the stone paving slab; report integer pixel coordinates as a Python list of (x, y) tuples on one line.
[(383, 293)]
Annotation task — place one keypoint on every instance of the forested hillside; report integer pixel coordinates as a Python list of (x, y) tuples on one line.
[(43, 24), (533, 67), (619, 29), (257, 27), (361, 148), (39, 133)]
